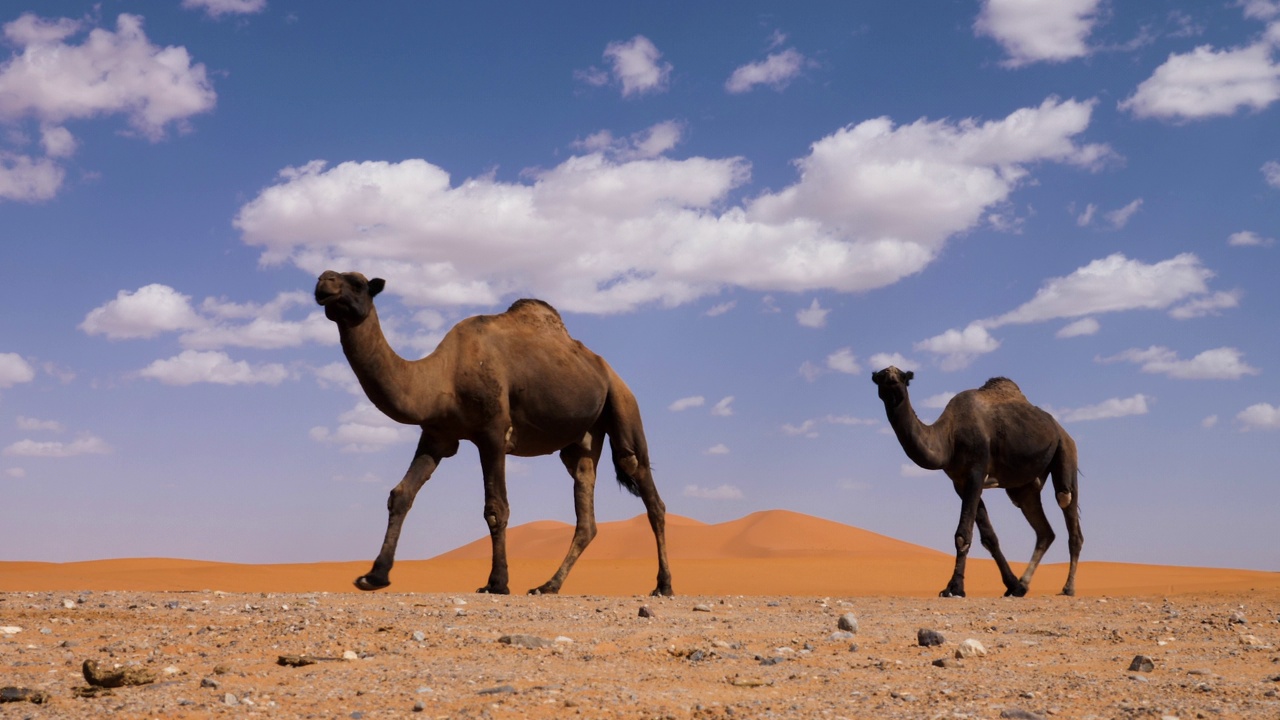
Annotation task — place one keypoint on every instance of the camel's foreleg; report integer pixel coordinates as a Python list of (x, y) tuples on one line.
[(493, 461), (581, 463), (425, 460), (970, 491)]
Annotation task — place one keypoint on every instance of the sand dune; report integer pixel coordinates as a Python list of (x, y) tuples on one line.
[(773, 552)]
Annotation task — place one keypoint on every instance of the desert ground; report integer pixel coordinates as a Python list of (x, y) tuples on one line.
[(776, 615)]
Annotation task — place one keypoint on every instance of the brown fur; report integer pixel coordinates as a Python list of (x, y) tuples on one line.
[(992, 437), (513, 384)]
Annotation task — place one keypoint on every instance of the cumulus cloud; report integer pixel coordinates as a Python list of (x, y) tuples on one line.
[(34, 424), (1083, 326), (1086, 216), (1224, 363), (724, 408), (14, 370), (884, 360), (147, 312), (86, 445), (1107, 409), (724, 492), (810, 371), (118, 72), (814, 316), (718, 449), (28, 179), (874, 203), (957, 348), (1271, 173), (1206, 305), (652, 142), (1262, 416), (1119, 218), (195, 366), (1248, 238), (776, 71), (1039, 30), (218, 8), (635, 64), (720, 309), (843, 360), (1207, 83), (808, 428), (687, 402), (364, 429)]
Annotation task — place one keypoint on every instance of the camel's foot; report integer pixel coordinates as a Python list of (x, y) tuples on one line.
[(662, 591), (1018, 590), (546, 588), (372, 582), (952, 592), (1069, 591), (494, 590)]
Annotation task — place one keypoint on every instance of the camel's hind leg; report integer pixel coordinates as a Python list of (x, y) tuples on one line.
[(1027, 499), (493, 462), (425, 460), (581, 462), (657, 512)]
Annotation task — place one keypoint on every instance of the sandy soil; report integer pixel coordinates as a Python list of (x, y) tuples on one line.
[(212, 636)]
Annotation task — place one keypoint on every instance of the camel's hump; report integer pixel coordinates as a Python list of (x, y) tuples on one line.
[(1003, 386), (536, 311)]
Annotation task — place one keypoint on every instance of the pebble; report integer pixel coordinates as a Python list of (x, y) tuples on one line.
[(848, 622), (700, 607), (1248, 640), (970, 648), (840, 635), (1020, 714), (209, 683), (948, 662), (1142, 663), (499, 690), (525, 641), (1238, 619), (10, 630), (68, 603), (928, 638), (419, 636), (419, 706), (350, 655), (645, 612), (230, 699)]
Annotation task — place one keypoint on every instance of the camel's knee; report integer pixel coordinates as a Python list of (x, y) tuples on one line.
[(1064, 500), (496, 518), (962, 543), (399, 500)]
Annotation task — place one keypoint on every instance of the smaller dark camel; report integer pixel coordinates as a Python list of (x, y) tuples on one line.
[(513, 384), (992, 437)]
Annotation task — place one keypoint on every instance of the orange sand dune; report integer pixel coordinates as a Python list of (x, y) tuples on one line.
[(766, 553)]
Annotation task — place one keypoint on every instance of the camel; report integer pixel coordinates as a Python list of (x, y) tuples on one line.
[(992, 437), (512, 384)]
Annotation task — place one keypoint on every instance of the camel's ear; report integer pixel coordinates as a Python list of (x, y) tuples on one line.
[(375, 286), (907, 376)]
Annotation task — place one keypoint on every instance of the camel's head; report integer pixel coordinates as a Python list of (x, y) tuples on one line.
[(892, 383), (347, 298)]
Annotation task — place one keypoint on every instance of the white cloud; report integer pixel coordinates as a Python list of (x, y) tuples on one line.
[(1262, 416), (686, 403), (809, 371), (1260, 9), (364, 429), (849, 420), (1112, 408), (776, 71), (1271, 173), (1119, 218), (650, 143), (636, 64), (118, 72), (339, 375), (28, 179), (14, 369), (26, 423), (843, 360), (722, 308), (1248, 238), (814, 316), (1207, 83), (151, 310), (1038, 30), (1112, 284), (218, 8), (724, 492), (194, 366), (87, 445), (1209, 422), (57, 141), (958, 348), (938, 401), (723, 408), (1206, 305), (884, 360), (1086, 217), (1224, 363), (874, 203), (806, 428), (1083, 326), (718, 449)]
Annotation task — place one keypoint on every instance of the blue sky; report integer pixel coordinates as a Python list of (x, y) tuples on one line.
[(745, 207)]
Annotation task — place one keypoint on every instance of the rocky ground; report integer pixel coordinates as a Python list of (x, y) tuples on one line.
[(204, 654)]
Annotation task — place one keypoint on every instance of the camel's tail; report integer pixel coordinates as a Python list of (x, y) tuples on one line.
[(626, 435)]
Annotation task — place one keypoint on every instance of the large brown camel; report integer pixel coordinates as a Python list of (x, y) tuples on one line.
[(512, 384), (992, 437)]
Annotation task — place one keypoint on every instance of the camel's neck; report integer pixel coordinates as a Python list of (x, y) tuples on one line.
[(391, 382), (926, 445)]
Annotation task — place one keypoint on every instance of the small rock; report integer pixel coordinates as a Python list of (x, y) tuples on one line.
[(701, 608), (230, 699), (499, 690), (221, 669), (1020, 714), (419, 706), (68, 603), (116, 677), (848, 622), (1139, 678), (948, 662), (928, 638), (840, 635), (350, 655), (645, 612), (525, 641), (1142, 663), (10, 630), (970, 648), (1237, 618), (17, 694), (210, 683), (1250, 641), (419, 636)]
